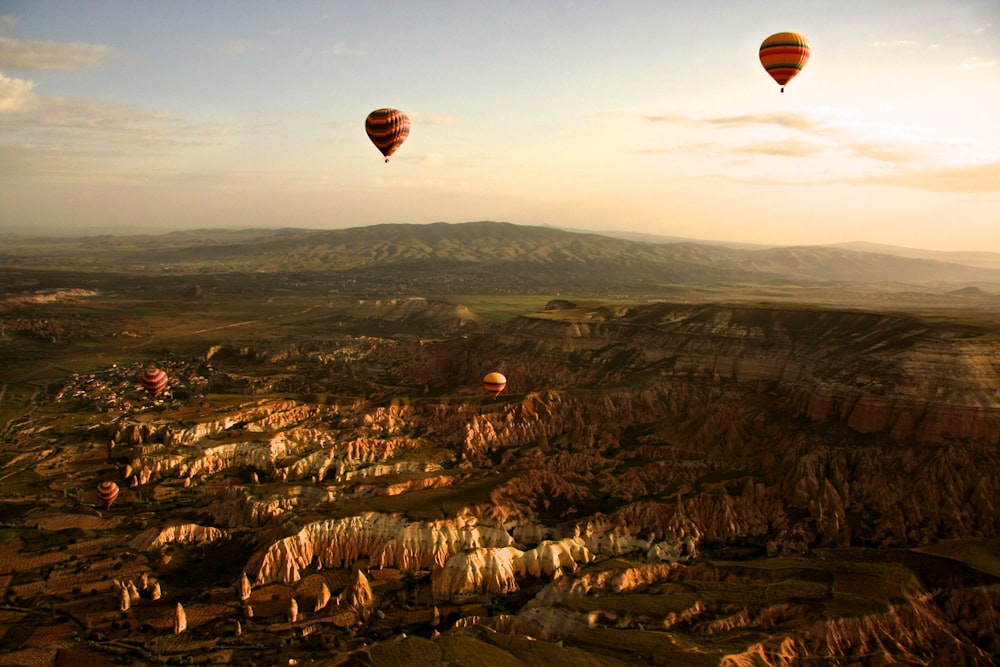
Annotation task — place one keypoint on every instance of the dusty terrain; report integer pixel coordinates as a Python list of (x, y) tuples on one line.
[(325, 482)]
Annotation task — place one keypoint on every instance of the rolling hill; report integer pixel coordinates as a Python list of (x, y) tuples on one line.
[(492, 256)]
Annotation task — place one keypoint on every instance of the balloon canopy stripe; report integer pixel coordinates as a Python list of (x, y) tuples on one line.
[(107, 492), (494, 383), (154, 380), (387, 129), (783, 55)]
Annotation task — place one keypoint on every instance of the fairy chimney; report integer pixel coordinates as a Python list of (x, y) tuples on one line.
[(243, 587), (180, 620)]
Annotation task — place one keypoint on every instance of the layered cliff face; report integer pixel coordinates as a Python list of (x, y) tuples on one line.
[(878, 373)]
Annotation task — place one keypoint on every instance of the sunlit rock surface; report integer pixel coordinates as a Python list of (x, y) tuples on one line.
[(386, 541), (157, 538)]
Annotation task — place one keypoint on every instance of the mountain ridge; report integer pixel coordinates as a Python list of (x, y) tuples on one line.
[(545, 255)]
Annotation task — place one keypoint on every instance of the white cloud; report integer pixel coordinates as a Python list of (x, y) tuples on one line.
[(828, 146), (34, 55), (977, 63), (16, 94)]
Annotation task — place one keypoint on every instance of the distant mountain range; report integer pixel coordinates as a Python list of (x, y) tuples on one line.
[(986, 260), (520, 258)]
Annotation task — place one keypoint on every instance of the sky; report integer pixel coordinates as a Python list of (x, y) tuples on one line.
[(643, 116)]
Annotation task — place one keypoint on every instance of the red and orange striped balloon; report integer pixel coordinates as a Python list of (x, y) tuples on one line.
[(107, 492), (388, 129), (154, 380), (494, 383), (783, 55)]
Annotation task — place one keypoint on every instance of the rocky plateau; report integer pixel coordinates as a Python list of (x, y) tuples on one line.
[(658, 484)]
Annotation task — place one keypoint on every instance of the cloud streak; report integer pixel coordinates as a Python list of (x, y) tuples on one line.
[(52, 137), (833, 147), (37, 55), (894, 44), (341, 49), (789, 148), (789, 121), (236, 47), (980, 178)]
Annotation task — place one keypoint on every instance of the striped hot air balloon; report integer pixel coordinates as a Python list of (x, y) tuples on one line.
[(494, 383), (107, 492), (388, 129), (783, 55), (154, 380)]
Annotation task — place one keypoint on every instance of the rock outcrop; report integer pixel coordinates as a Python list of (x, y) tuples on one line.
[(180, 619), (386, 541), (188, 533)]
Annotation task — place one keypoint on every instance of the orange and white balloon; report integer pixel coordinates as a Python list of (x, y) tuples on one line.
[(494, 383)]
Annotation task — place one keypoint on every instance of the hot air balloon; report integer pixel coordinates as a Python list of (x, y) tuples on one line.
[(154, 380), (107, 492), (783, 55), (388, 129), (494, 383)]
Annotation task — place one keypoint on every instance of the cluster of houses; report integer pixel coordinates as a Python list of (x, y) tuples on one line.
[(118, 387)]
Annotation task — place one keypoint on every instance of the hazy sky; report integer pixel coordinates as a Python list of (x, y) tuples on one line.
[(650, 116)]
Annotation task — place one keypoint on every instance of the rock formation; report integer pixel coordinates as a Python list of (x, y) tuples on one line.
[(358, 595), (180, 619), (190, 533), (386, 541), (721, 484), (243, 588)]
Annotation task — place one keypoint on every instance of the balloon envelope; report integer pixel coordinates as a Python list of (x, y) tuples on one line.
[(388, 129), (783, 55), (107, 492), (154, 380), (494, 383)]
